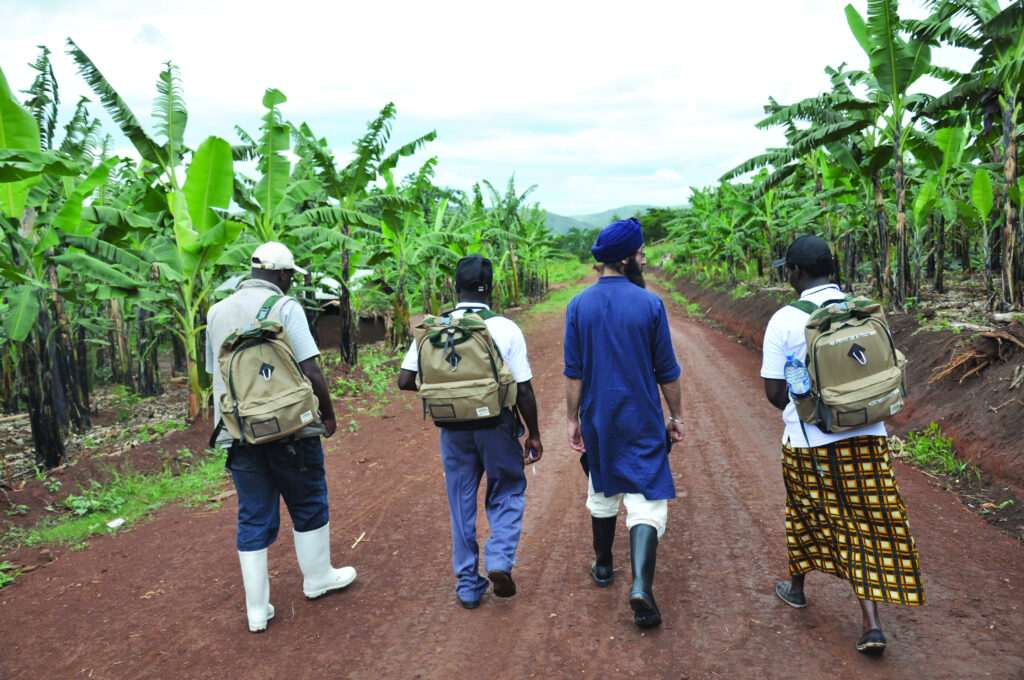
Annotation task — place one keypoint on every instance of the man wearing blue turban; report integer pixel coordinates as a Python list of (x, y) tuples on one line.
[(618, 352)]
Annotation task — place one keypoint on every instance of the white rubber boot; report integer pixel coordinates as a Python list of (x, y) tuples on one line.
[(313, 550), (257, 589)]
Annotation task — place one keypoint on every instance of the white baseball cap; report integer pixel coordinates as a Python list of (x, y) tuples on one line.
[(274, 255)]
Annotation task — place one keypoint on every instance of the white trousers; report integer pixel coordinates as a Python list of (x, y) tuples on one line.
[(639, 510)]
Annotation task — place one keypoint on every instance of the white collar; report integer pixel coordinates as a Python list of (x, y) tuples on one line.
[(472, 305), (818, 289)]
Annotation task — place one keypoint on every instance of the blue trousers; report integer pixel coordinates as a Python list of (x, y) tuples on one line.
[(266, 473), (467, 455)]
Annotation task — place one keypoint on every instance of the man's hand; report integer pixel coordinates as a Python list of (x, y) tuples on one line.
[(675, 431), (532, 445), (576, 437), (331, 424)]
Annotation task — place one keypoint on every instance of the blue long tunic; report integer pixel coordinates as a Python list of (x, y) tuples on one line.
[(617, 342)]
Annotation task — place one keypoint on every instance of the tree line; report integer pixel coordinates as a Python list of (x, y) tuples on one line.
[(107, 263), (907, 186)]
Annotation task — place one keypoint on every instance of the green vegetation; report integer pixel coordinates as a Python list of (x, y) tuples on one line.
[(8, 574), (934, 452), (111, 262), (906, 185), (124, 400), (567, 271), (128, 495), (557, 300), (376, 377)]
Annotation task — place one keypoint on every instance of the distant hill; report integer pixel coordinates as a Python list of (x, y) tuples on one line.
[(560, 224)]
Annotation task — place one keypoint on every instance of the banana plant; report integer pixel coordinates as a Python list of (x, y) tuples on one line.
[(346, 188), (404, 249), (42, 192), (896, 63), (198, 230), (992, 86)]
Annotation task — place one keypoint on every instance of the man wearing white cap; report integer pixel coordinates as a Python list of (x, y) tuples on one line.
[(292, 468)]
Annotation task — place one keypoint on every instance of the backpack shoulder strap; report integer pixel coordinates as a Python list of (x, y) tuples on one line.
[(805, 306), (485, 314), (267, 305)]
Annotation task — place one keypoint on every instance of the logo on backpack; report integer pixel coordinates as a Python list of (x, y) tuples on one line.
[(266, 370), (462, 376), (858, 377), (278, 405)]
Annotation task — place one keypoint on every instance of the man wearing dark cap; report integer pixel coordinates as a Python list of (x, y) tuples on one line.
[(844, 513), (618, 353), (491, 446)]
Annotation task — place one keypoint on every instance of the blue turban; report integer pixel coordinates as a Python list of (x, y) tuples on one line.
[(618, 241)]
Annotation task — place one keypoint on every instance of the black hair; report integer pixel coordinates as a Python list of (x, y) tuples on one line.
[(822, 267)]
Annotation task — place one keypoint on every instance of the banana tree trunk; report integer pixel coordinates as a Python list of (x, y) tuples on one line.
[(47, 433), (850, 259), (82, 352), (124, 360), (515, 275), (900, 289), (1012, 276), (8, 381), (148, 369), (349, 344), (65, 363), (883, 276), (940, 255)]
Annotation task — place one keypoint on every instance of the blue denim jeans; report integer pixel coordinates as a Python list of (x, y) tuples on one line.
[(264, 474), (467, 455)]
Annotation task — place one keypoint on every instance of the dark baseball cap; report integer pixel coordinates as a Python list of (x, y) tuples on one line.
[(805, 251), (474, 273)]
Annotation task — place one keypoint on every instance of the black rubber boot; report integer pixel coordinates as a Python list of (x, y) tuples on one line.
[(643, 545), (604, 535)]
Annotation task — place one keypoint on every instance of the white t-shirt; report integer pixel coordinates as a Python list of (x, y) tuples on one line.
[(507, 337), (785, 335), (238, 310)]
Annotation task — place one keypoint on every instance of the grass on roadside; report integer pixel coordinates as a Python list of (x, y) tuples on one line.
[(557, 300), (692, 308), (128, 495), (567, 270), (934, 452), (377, 379)]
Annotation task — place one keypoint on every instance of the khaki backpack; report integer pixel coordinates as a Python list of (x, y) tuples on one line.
[(858, 377), (462, 376), (267, 397)]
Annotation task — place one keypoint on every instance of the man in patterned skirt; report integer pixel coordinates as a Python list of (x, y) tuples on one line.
[(844, 513)]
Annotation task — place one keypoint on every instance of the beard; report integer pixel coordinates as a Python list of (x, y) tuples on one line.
[(633, 272)]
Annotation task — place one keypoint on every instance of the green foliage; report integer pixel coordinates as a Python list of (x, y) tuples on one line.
[(933, 451), (8, 574), (567, 271), (124, 400), (129, 495), (556, 301), (17, 510), (376, 377)]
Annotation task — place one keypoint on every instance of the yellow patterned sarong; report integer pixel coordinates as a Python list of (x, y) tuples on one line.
[(845, 516)]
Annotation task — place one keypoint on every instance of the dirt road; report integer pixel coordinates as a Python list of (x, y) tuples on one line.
[(165, 600)]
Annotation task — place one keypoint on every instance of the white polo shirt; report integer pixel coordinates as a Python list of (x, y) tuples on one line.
[(785, 335), (507, 337)]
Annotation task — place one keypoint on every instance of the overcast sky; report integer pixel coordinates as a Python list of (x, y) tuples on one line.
[(598, 104)]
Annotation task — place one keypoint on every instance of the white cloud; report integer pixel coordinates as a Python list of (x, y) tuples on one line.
[(598, 104)]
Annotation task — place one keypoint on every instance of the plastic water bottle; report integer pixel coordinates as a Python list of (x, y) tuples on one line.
[(797, 378)]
